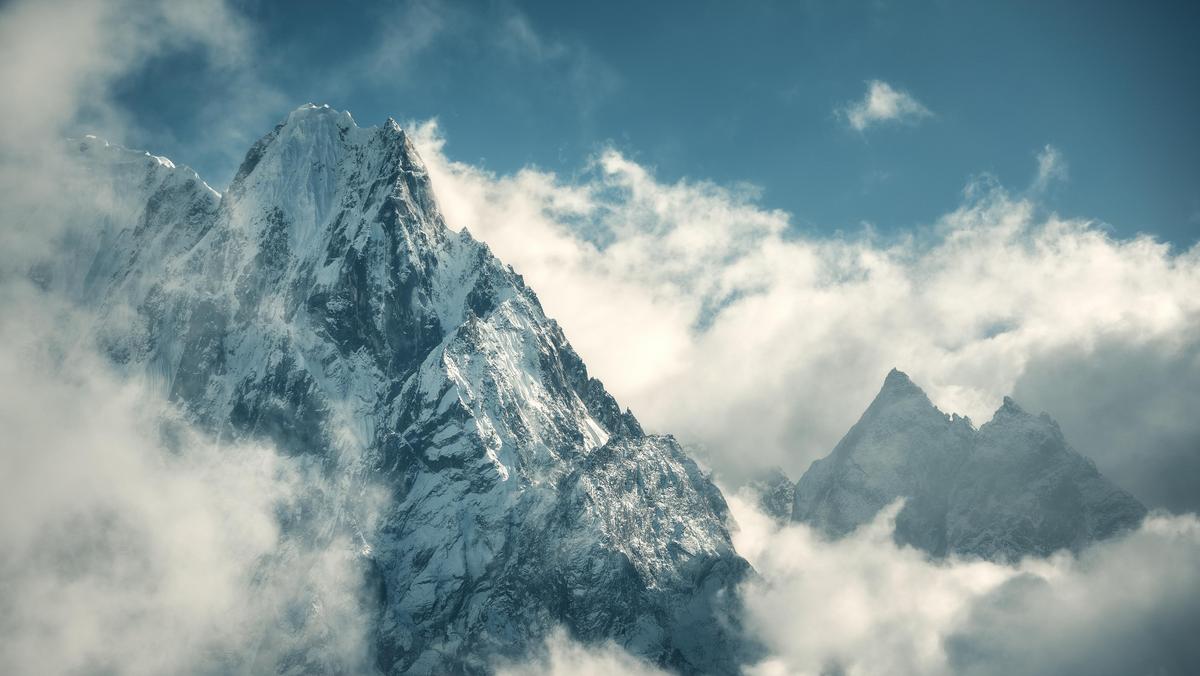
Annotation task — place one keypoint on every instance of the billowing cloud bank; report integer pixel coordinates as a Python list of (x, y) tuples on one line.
[(715, 321), (135, 545), (561, 656), (862, 605), (129, 542)]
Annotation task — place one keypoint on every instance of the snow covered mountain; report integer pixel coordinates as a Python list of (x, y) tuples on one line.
[(1014, 487), (322, 304)]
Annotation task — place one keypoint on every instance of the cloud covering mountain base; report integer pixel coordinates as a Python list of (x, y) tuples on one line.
[(862, 605), (135, 544)]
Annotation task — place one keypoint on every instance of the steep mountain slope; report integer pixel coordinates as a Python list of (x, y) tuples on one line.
[(1012, 488), (322, 304)]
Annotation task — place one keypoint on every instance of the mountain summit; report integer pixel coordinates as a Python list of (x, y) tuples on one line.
[(323, 305), (1014, 487)]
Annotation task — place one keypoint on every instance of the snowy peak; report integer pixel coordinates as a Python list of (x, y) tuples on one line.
[(1009, 409), (897, 384), (115, 163), (137, 210), (1023, 431), (900, 410), (902, 446), (901, 400), (322, 114), (323, 306), (1012, 488), (1026, 491), (317, 164)]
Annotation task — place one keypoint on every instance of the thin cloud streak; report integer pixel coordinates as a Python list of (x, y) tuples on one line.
[(1051, 168)]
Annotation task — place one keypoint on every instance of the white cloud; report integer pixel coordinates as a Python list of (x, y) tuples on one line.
[(63, 60), (705, 314), (132, 543), (135, 545), (408, 31), (562, 656), (518, 36), (883, 103), (1051, 167), (589, 78), (62, 89), (1130, 405), (1126, 606), (862, 605), (67, 92), (418, 31)]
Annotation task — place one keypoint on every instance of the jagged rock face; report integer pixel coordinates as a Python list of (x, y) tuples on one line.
[(142, 211), (1029, 492), (322, 304), (901, 447), (1010, 489), (776, 493)]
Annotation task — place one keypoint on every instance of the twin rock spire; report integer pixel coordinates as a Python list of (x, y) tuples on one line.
[(1012, 488)]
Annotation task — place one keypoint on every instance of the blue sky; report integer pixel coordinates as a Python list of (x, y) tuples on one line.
[(742, 92)]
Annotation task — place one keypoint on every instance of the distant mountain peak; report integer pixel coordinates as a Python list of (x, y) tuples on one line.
[(1011, 488), (897, 386), (1009, 407)]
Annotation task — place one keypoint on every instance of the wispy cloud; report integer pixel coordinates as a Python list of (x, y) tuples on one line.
[(519, 37), (69, 92), (589, 78), (133, 543), (407, 31), (1051, 168), (417, 32), (882, 103), (64, 89)]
